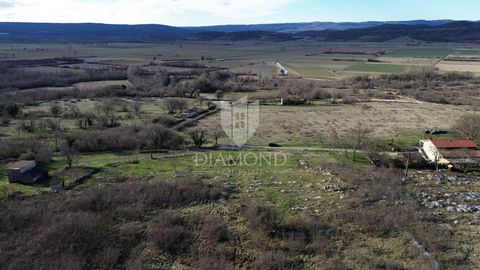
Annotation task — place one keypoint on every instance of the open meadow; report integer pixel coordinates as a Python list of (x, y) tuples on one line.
[(314, 124)]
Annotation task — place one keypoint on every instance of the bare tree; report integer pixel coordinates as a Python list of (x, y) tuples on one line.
[(201, 100), (419, 119), (333, 136), (56, 110), (216, 133), (437, 158), (57, 134), (198, 136), (137, 107), (13, 110), (219, 94), (87, 121), (157, 135), (360, 135), (408, 156), (73, 111), (68, 150), (468, 126), (175, 105), (475, 107), (106, 113)]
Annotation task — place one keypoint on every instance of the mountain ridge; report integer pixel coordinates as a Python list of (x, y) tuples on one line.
[(310, 26), (430, 31)]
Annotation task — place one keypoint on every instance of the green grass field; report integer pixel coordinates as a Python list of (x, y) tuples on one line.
[(466, 53), (207, 165), (377, 68), (419, 53), (318, 73), (122, 62)]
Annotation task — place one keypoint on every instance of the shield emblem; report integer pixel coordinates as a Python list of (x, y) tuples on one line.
[(240, 119)]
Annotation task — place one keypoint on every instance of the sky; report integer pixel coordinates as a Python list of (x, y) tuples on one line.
[(219, 12)]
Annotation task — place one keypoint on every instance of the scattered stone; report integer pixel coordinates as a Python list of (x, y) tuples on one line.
[(303, 164), (435, 205), (222, 200), (231, 187)]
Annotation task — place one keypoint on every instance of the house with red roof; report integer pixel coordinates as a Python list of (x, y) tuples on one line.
[(456, 153)]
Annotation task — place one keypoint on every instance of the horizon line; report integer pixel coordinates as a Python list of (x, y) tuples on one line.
[(244, 24)]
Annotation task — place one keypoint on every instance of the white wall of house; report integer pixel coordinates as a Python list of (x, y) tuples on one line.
[(432, 152)]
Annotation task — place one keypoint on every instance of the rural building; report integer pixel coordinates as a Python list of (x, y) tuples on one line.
[(452, 153), (25, 172)]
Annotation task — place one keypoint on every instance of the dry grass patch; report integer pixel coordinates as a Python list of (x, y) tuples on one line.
[(460, 66), (289, 122)]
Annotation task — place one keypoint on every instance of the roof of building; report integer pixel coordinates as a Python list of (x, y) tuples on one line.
[(21, 164), (466, 153), (454, 144)]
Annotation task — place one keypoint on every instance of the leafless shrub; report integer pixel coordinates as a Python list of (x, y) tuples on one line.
[(261, 216), (107, 258), (88, 230), (166, 121), (433, 237), (214, 262), (24, 78), (170, 233), (63, 261), (56, 110), (175, 105), (271, 260), (215, 230), (198, 136), (468, 126), (158, 136)]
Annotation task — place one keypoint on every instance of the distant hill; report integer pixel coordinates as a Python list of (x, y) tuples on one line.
[(68, 32), (311, 26), (242, 36), (460, 31), (434, 31)]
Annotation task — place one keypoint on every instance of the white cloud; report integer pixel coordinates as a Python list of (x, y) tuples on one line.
[(176, 12)]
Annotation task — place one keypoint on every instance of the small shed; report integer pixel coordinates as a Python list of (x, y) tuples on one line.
[(25, 172)]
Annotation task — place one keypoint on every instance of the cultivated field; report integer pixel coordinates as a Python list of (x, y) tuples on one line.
[(308, 59), (419, 53), (377, 68)]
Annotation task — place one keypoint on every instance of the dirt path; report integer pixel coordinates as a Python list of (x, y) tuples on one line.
[(441, 59), (405, 101), (435, 264), (320, 149)]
